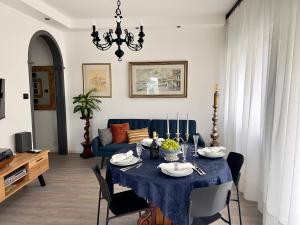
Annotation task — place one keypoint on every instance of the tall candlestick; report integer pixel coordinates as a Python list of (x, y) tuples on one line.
[(216, 95), (168, 128), (187, 124), (177, 123)]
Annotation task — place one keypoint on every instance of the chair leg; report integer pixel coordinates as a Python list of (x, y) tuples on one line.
[(163, 220), (99, 202), (107, 214), (102, 162), (229, 216), (140, 214), (239, 206)]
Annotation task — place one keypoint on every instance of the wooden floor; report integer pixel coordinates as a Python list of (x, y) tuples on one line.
[(70, 198)]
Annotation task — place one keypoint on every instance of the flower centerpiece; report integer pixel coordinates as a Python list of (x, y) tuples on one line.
[(171, 149)]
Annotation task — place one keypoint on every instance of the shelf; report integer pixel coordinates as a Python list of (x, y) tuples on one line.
[(16, 180), (17, 186)]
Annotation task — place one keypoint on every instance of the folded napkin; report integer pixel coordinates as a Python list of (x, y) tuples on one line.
[(178, 166), (213, 150), (121, 156)]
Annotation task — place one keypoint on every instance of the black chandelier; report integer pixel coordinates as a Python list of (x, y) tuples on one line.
[(109, 40)]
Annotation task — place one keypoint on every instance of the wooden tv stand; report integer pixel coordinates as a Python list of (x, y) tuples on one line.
[(35, 164)]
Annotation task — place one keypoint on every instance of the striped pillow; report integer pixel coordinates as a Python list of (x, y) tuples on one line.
[(138, 135)]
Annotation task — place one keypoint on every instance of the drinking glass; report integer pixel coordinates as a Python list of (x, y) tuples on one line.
[(139, 149), (184, 149), (196, 138)]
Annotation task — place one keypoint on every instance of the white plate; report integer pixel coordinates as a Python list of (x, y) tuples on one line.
[(177, 173), (148, 141), (127, 162), (219, 154)]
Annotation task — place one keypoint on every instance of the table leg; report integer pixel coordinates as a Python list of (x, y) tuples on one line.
[(153, 216), (42, 181)]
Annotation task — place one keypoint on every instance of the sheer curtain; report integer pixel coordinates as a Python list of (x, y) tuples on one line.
[(262, 104)]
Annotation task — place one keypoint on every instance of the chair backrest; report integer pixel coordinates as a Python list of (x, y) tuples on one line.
[(104, 189), (209, 200), (235, 162)]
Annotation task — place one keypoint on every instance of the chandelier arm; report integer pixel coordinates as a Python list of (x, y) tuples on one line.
[(130, 39)]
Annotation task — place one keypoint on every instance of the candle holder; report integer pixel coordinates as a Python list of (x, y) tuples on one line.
[(168, 135)]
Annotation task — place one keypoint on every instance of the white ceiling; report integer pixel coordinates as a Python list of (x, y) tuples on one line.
[(78, 14), (85, 9)]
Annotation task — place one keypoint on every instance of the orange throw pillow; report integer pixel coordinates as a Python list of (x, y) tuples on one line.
[(119, 132)]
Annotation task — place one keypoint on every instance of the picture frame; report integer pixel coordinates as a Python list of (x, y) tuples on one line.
[(165, 79), (97, 76), (43, 87)]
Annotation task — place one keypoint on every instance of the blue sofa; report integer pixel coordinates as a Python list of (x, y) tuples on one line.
[(160, 126)]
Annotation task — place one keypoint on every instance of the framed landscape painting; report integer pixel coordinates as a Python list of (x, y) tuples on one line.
[(158, 79), (97, 76)]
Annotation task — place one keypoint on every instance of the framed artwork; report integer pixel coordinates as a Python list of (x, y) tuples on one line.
[(97, 76), (158, 79), (43, 87)]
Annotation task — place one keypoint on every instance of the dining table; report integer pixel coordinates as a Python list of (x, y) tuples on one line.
[(170, 194)]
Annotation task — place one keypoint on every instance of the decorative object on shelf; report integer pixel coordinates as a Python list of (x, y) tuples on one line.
[(158, 79), (85, 104), (109, 40), (214, 135), (6, 157), (43, 86), (97, 77)]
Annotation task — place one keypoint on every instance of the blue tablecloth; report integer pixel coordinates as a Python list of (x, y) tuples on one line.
[(170, 194)]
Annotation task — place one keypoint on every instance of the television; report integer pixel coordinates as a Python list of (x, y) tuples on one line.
[(2, 98)]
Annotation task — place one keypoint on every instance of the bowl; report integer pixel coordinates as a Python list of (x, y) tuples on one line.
[(170, 155), (7, 161)]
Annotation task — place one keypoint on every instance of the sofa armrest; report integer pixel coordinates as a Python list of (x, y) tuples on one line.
[(96, 144)]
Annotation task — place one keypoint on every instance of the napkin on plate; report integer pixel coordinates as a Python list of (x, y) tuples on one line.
[(213, 150), (180, 166), (121, 156)]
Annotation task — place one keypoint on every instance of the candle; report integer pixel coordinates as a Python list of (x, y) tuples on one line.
[(177, 123), (187, 123), (216, 96), (168, 129)]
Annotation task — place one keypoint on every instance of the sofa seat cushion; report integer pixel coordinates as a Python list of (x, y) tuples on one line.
[(109, 150), (119, 132)]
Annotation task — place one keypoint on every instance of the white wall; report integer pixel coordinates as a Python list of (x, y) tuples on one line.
[(44, 120), (16, 32), (202, 47)]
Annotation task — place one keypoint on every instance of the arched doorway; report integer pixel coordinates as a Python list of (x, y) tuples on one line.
[(58, 74)]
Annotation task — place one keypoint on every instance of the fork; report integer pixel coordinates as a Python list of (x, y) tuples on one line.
[(198, 169), (131, 167)]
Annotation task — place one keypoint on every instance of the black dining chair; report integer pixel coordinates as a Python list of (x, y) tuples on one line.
[(235, 162), (206, 204), (120, 204)]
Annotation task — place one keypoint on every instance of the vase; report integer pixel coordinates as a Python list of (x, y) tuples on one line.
[(171, 155)]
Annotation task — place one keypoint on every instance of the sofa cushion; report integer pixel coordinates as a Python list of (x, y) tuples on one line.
[(119, 132), (105, 136), (137, 135)]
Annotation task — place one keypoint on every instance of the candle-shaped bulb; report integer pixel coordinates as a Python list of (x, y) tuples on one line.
[(118, 19), (216, 96), (187, 124)]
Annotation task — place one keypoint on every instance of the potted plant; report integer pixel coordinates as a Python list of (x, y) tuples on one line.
[(86, 104), (171, 149)]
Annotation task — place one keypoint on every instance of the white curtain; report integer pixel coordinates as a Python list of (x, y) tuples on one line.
[(262, 104)]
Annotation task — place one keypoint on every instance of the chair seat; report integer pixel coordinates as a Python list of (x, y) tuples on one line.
[(127, 201), (206, 220)]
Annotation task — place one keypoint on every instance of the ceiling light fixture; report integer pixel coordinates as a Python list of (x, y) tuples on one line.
[(109, 40)]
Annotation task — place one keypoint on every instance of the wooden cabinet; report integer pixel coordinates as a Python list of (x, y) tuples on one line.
[(35, 164)]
